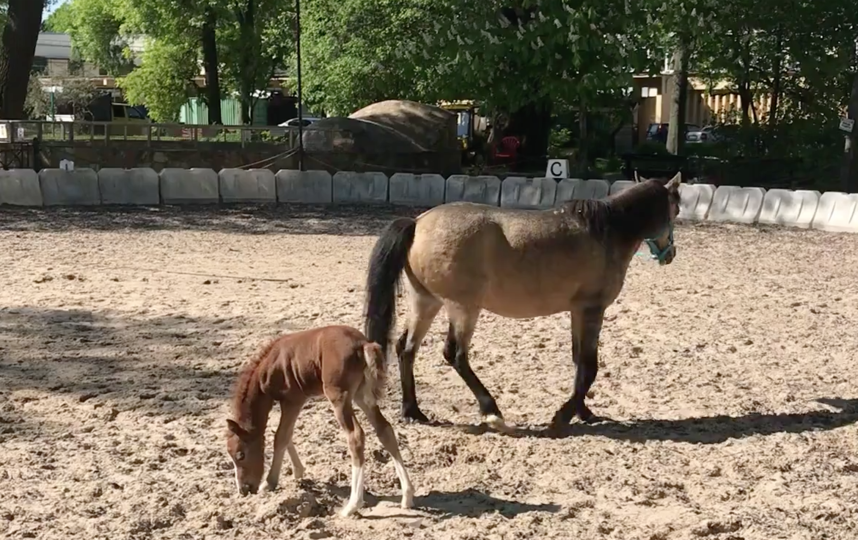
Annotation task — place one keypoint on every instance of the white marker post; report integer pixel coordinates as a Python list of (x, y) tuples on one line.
[(557, 169)]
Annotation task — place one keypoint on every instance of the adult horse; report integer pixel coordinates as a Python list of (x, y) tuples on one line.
[(515, 263)]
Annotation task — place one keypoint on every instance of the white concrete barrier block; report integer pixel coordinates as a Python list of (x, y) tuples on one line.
[(247, 185), (570, 189), (475, 189), (534, 193), (20, 187), (592, 189), (837, 212), (566, 190), (695, 200), (189, 186), (737, 204), (620, 185), (417, 189), (786, 207), (78, 187), (306, 187), (365, 187), (129, 186)]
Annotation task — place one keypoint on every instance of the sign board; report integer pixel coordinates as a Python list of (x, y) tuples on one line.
[(4, 132), (21, 134), (557, 169), (67, 165), (847, 125)]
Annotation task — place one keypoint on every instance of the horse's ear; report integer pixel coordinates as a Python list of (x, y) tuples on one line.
[(673, 183), (637, 177), (233, 427)]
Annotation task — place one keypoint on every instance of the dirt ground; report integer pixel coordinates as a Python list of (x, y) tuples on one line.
[(730, 376)]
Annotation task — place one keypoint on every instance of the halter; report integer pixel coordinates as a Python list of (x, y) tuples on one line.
[(661, 254)]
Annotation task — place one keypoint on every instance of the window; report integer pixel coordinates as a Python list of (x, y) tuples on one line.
[(40, 64), (134, 112), (118, 111)]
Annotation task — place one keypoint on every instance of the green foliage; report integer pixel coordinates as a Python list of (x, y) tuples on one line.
[(163, 80), (558, 140), (94, 26), (357, 52), (61, 20)]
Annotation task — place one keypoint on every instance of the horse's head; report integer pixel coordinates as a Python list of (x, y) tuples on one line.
[(661, 245), (247, 451)]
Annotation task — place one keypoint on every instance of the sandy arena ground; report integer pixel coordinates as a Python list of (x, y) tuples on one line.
[(731, 374)]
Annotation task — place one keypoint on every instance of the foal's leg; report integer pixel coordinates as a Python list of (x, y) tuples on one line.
[(423, 309), (463, 321), (586, 327), (385, 434), (289, 412), (344, 412)]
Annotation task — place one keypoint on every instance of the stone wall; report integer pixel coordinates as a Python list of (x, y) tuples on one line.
[(224, 155)]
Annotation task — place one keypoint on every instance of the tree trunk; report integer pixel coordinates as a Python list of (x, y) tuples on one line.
[(849, 164), (210, 64), (745, 97), (676, 127), (583, 139), (23, 22), (246, 23), (532, 125), (776, 82)]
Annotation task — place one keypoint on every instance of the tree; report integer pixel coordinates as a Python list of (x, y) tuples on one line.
[(61, 20), (187, 24), (522, 57), (363, 51), (164, 79), (255, 40), (20, 33)]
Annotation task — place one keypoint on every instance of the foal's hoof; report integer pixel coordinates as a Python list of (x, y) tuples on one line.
[(407, 500), (497, 423)]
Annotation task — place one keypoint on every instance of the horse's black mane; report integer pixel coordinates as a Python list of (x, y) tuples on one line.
[(640, 210)]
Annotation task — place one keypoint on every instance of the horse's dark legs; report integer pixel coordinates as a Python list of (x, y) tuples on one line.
[(459, 333), (586, 327), (406, 351), (424, 308)]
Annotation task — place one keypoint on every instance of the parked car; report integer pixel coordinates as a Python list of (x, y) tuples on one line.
[(711, 134), (658, 132), (293, 122)]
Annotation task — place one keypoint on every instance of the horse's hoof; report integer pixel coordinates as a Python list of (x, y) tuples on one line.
[(497, 423), (585, 415), (414, 416)]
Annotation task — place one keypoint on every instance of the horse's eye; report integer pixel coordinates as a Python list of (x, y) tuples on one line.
[(239, 455)]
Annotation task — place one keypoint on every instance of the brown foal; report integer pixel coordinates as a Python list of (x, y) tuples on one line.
[(335, 361)]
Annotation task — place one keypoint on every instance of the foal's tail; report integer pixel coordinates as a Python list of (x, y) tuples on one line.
[(386, 263), (376, 372)]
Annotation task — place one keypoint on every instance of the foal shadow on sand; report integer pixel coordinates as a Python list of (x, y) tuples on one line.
[(700, 430), (470, 502)]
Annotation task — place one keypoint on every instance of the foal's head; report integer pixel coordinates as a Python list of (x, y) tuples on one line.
[(247, 449), (245, 437)]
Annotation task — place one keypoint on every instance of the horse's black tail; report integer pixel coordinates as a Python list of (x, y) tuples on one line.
[(386, 263)]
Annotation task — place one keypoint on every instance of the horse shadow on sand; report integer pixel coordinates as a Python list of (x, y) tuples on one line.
[(700, 430)]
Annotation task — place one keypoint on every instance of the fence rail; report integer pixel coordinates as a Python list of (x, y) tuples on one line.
[(83, 130)]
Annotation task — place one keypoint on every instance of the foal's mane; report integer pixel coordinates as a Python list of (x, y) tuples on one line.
[(630, 212), (248, 377)]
